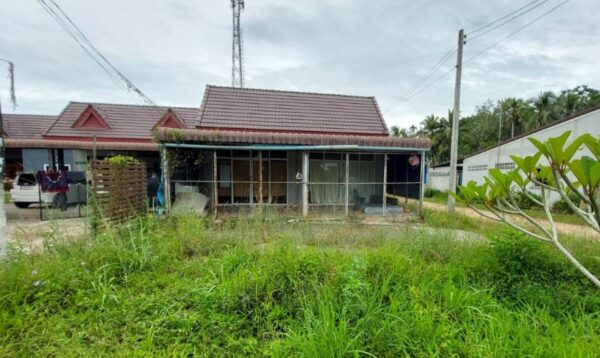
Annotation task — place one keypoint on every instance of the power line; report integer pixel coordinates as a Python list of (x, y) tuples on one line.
[(407, 98), (509, 20), (88, 47), (128, 82), (502, 18), (422, 79), (516, 31)]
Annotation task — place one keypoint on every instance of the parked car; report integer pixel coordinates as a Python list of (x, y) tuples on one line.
[(25, 191)]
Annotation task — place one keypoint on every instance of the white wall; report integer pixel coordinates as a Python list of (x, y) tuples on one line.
[(438, 178), (477, 166)]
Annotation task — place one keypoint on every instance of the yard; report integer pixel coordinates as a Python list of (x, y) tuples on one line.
[(270, 286)]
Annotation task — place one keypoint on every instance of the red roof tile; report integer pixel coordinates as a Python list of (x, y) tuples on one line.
[(284, 111), (124, 120), (27, 126)]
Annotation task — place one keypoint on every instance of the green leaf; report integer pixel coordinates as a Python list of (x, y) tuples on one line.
[(540, 147), (575, 145)]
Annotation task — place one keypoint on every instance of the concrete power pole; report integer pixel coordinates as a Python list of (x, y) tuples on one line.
[(455, 122)]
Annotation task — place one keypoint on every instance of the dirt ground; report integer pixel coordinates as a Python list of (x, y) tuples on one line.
[(33, 235), (564, 228)]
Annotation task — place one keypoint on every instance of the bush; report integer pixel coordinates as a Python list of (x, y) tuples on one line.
[(431, 193), (524, 202), (561, 206)]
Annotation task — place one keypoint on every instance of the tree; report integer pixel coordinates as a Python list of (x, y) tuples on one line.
[(543, 108), (514, 112), (395, 131), (563, 175)]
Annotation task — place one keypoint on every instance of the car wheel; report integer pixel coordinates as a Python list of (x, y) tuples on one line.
[(22, 205), (60, 201)]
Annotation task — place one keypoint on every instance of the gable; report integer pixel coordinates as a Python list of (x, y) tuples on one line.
[(91, 119), (169, 120)]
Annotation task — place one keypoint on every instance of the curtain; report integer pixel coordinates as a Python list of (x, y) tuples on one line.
[(328, 176)]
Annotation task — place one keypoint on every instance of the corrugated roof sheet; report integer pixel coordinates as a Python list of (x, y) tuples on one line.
[(125, 120), (232, 137), (26, 126), (285, 111)]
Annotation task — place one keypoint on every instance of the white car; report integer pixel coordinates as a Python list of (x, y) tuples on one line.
[(25, 191)]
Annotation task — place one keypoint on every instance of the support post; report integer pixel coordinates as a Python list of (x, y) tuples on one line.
[(455, 122), (166, 178), (215, 188), (260, 179), (385, 160), (305, 159), (422, 184), (347, 197)]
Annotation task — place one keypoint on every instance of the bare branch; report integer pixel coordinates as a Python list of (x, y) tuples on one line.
[(561, 248), (517, 227)]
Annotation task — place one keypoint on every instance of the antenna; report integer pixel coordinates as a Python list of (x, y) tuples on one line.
[(237, 62)]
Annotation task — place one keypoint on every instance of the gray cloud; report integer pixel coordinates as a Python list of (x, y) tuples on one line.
[(172, 49)]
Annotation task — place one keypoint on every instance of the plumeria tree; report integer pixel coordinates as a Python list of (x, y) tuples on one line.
[(574, 180)]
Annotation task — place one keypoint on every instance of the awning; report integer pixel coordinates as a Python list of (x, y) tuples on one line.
[(289, 141), (75, 144)]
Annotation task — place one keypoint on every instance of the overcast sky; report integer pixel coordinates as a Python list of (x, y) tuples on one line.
[(172, 49)]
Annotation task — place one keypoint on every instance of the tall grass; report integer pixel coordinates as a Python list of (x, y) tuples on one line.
[(263, 286)]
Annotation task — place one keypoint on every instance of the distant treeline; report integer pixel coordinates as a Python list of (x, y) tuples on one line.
[(515, 115)]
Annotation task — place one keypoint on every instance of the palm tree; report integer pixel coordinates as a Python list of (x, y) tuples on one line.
[(429, 126), (514, 111), (544, 110)]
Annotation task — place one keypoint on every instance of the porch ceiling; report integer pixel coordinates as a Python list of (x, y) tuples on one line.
[(248, 137)]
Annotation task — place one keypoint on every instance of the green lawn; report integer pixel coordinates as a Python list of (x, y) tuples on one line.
[(268, 287)]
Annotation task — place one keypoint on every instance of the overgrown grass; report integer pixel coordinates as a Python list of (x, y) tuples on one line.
[(267, 287)]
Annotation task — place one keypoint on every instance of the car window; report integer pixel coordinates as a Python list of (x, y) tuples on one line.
[(26, 180)]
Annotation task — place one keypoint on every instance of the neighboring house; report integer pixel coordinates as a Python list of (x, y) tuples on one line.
[(67, 140), (307, 151), (476, 166), (24, 127)]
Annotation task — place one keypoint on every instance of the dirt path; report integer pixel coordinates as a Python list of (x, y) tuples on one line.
[(564, 228)]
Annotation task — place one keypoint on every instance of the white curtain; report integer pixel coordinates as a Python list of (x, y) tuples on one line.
[(328, 176)]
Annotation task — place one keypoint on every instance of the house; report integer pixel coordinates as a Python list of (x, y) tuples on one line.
[(310, 152), (67, 140), (474, 167)]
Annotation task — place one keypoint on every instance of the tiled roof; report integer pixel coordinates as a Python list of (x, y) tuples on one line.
[(124, 120), (283, 111), (249, 137), (26, 126)]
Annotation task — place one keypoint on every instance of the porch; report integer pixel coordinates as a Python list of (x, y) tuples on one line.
[(304, 179)]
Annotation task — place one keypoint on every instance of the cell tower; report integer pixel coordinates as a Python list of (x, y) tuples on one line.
[(237, 62)]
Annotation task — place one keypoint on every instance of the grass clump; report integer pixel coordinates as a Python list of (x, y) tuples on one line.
[(263, 286)]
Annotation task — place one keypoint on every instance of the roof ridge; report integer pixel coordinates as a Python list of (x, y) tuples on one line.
[(131, 105), (287, 91)]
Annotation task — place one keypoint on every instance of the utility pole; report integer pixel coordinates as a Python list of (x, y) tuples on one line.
[(455, 122)]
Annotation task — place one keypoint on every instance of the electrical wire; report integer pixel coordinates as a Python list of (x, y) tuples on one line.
[(116, 76), (507, 21), (422, 79), (515, 32), (407, 98), (502, 18)]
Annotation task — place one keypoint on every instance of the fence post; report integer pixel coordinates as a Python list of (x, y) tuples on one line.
[(385, 160), (347, 198)]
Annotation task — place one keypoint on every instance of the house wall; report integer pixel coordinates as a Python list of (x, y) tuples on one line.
[(34, 159), (475, 168)]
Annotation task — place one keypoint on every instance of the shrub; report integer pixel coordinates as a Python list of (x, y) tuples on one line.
[(431, 193), (524, 202), (561, 206)]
